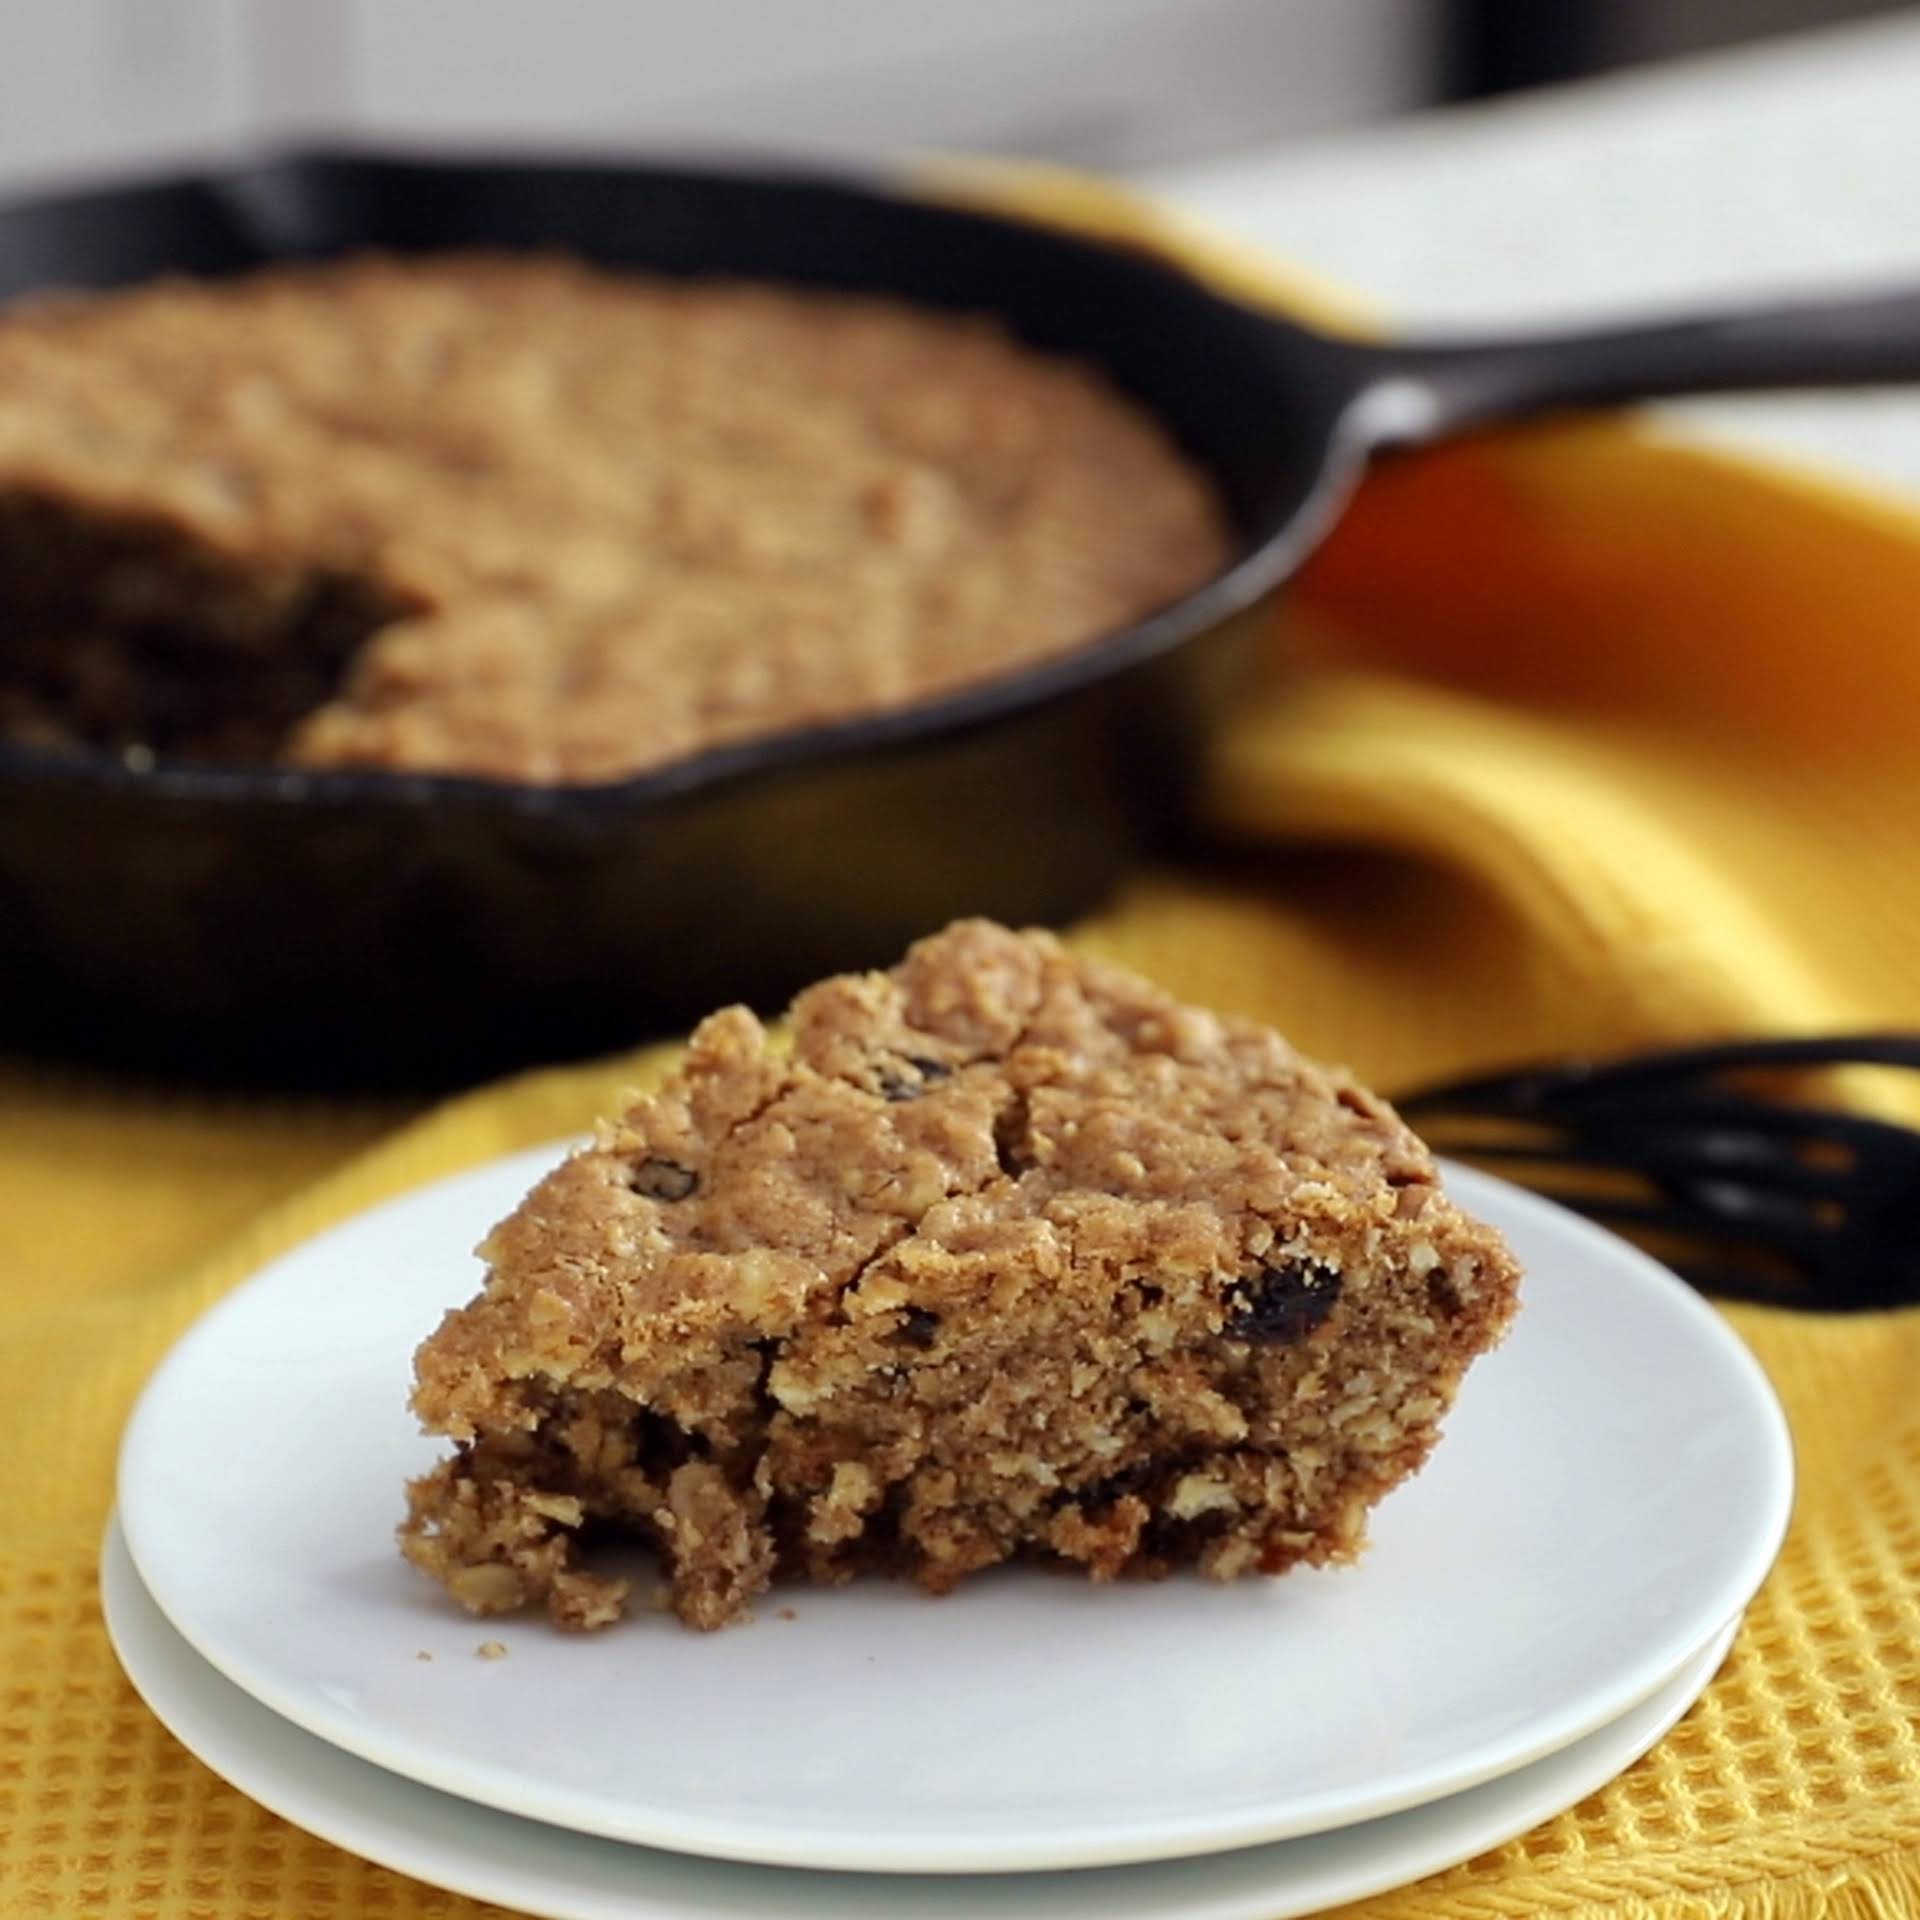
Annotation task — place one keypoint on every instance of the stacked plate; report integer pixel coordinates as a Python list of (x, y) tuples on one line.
[(1538, 1607)]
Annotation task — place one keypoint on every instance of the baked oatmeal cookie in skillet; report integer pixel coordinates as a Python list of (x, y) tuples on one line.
[(1003, 1254), (528, 519)]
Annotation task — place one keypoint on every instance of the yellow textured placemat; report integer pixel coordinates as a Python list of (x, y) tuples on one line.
[(1600, 742)]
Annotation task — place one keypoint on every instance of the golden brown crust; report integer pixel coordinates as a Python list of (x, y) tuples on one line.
[(1007, 1254), (587, 523)]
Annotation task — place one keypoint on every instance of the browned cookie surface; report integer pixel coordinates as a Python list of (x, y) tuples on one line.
[(523, 517), (1008, 1254)]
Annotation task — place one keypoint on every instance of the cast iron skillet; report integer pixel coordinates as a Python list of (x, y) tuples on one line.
[(361, 929)]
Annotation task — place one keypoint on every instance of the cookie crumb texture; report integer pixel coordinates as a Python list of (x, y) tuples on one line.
[(1007, 1256), (521, 517)]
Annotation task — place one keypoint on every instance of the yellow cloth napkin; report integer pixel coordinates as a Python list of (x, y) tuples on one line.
[(1585, 741)]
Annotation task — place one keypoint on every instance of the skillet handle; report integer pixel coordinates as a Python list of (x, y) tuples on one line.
[(1425, 390)]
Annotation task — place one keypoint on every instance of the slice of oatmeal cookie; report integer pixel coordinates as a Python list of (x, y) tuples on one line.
[(1007, 1255)]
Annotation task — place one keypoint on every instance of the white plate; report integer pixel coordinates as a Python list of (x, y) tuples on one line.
[(1614, 1487), (567, 1876)]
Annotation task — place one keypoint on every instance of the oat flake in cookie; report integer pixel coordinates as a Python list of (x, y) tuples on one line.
[(1008, 1255)]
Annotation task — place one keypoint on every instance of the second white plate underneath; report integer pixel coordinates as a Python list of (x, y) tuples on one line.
[(1612, 1489), (568, 1876)]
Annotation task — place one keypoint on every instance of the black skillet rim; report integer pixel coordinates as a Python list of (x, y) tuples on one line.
[(1261, 562)]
